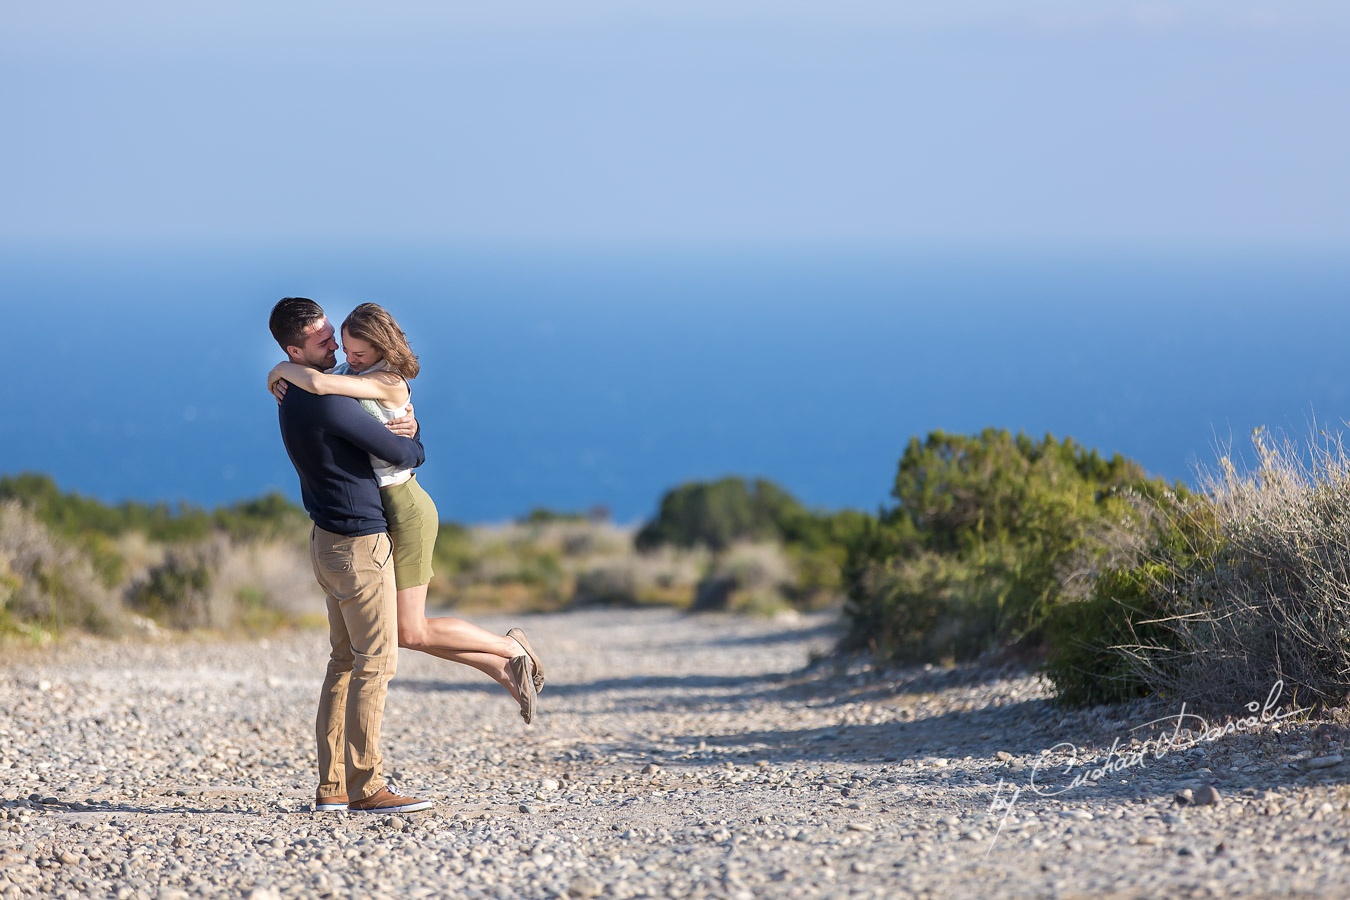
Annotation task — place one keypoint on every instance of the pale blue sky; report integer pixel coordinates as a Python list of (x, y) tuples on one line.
[(1034, 121)]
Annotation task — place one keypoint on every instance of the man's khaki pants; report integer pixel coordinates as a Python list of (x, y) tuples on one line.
[(357, 575)]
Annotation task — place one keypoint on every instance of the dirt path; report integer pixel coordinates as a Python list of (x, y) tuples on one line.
[(674, 756)]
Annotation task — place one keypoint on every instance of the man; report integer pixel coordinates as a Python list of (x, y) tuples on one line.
[(330, 440)]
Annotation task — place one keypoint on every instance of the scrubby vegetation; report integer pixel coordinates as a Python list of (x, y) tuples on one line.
[(1123, 585), (767, 550), (1245, 585), (988, 534), (68, 561)]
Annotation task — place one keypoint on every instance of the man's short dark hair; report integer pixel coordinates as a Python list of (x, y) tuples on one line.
[(290, 317)]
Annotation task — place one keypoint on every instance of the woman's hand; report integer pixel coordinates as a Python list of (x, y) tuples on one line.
[(404, 426), (278, 389)]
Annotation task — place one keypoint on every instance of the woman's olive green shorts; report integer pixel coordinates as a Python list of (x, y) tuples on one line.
[(413, 523)]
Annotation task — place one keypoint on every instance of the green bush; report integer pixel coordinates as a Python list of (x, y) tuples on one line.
[(719, 513), (987, 535), (1095, 645), (542, 515)]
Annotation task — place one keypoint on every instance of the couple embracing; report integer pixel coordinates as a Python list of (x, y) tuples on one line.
[(351, 434)]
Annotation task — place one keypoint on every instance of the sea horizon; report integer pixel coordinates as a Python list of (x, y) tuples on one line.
[(575, 376)]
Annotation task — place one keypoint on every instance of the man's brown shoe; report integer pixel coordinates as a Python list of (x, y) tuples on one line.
[(335, 803), (386, 801)]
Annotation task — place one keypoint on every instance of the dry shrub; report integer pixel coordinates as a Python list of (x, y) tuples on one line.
[(748, 577), (226, 585), (273, 575), (45, 581), (1251, 586), (665, 577)]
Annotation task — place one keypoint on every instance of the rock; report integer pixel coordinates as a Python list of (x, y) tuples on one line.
[(1184, 797), (859, 826), (1325, 762), (527, 809), (1004, 755), (1185, 851), (1206, 796), (548, 785), (1149, 840), (713, 594), (584, 886), (650, 769)]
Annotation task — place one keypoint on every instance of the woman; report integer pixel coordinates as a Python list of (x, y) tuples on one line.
[(379, 366)]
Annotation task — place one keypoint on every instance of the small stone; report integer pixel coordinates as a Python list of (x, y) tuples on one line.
[(68, 858), (859, 826), (1185, 851), (1326, 762), (394, 822), (1184, 797), (584, 886), (548, 784), (1149, 840), (1004, 756), (1206, 796), (650, 769), (527, 809)]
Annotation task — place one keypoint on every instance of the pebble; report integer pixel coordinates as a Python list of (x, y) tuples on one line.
[(584, 886), (661, 766), (1206, 796)]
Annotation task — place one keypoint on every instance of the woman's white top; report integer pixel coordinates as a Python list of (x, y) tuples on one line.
[(385, 473)]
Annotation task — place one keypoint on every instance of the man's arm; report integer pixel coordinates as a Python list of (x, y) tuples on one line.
[(345, 418)]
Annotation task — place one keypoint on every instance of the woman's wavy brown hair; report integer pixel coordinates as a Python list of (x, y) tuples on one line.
[(370, 323)]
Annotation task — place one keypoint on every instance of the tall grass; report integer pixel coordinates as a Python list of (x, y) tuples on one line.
[(1243, 586)]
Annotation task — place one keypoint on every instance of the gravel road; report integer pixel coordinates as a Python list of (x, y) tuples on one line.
[(673, 756)]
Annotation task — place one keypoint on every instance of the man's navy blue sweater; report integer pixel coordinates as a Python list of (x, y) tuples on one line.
[(330, 440)]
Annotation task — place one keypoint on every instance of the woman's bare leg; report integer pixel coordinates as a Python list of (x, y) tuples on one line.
[(454, 639), (489, 664)]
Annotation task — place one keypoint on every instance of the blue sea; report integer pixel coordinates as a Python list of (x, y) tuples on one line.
[(580, 377)]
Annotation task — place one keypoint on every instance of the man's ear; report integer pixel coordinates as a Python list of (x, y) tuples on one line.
[(294, 354)]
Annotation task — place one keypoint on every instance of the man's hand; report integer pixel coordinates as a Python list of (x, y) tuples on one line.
[(403, 426), (278, 389)]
